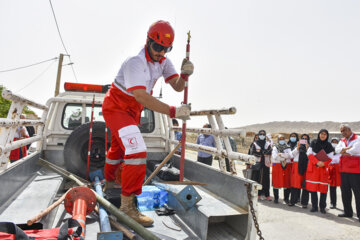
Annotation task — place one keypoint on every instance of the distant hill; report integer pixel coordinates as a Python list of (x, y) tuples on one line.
[(299, 127)]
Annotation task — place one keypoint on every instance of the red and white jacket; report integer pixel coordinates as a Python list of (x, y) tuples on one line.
[(285, 156), (317, 178), (350, 164), (140, 72)]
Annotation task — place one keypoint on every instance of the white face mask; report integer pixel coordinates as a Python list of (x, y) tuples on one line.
[(261, 137), (334, 145)]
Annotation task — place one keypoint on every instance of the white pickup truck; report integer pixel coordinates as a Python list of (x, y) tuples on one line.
[(62, 138)]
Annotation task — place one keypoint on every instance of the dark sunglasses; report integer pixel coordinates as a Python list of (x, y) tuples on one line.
[(158, 48)]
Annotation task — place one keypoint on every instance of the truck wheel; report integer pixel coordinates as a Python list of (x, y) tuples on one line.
[(76, 148)]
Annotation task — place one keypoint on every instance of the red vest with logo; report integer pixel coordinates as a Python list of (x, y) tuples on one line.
[(350, 164)]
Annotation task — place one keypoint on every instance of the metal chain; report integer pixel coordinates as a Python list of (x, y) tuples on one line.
[(256, 223)]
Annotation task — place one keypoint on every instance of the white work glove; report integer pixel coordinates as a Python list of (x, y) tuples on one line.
[(187, 67), (182, 112)]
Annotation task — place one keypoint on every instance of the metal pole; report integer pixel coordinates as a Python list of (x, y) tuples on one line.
[(226, 143), (90, 134), (104, 218), (161, 164), (120, 216), (58, 77), (222, 163), (183, 137), (223, 111), (221, 153), (119, 227)]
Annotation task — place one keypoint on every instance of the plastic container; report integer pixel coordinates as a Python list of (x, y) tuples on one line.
[(151, 197)]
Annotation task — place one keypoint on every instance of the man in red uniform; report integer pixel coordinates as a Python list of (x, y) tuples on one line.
[(349, 148), (129, 94)]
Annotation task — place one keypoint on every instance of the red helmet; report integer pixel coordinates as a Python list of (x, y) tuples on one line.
[(162, 33)]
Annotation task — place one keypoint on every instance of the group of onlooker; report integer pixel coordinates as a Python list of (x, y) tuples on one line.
[(303, 167)]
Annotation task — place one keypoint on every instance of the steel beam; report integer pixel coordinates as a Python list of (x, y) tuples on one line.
[(223, 111)]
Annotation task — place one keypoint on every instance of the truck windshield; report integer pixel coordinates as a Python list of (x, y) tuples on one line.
[(72, 117)]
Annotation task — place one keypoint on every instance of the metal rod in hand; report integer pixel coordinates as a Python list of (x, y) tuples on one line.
[(119, 226), (183, 137), (162, 164), (103, 216), (45, 212), (90, 134), (120, 216)]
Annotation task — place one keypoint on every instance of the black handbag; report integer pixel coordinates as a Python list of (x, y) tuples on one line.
[(256, 166)]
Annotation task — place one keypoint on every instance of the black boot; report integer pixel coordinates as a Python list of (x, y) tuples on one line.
[(313, 209), (286, 195), (276, 195)]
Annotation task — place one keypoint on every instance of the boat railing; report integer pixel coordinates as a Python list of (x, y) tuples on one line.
[(10, 124), (221, 135)]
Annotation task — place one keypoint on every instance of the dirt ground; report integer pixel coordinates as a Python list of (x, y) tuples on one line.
[(281, 222)]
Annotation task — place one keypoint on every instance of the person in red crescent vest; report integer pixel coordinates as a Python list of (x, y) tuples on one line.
[(298, 170), (334, 173), (129, 94), (349, 148), (281, 168), (317, 174)]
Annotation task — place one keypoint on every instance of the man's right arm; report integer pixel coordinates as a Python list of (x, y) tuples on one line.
[(150, 102), (355, 149)]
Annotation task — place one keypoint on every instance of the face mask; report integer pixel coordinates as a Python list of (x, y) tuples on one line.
[(261, 137), (334, 145), (293, 139), (282, 142)]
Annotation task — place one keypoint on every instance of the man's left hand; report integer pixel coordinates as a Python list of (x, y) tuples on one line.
[(187, 67), (343, 151)]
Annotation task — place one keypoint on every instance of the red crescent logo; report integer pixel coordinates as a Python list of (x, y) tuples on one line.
[(132, 141)]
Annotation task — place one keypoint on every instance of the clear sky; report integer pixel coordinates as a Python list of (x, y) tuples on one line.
[(272, 60)]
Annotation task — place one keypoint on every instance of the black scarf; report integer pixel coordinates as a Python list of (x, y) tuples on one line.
[(261, 143), (293, 145), (251, 145), (281, 148), (303, 158), (317, 145)]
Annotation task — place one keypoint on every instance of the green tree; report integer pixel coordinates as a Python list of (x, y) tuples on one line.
[(5, 106)]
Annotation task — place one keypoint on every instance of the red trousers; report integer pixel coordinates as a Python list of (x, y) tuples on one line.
[(334, 175), (317, 178), (280, 176), (127, 144), (296, 179)]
